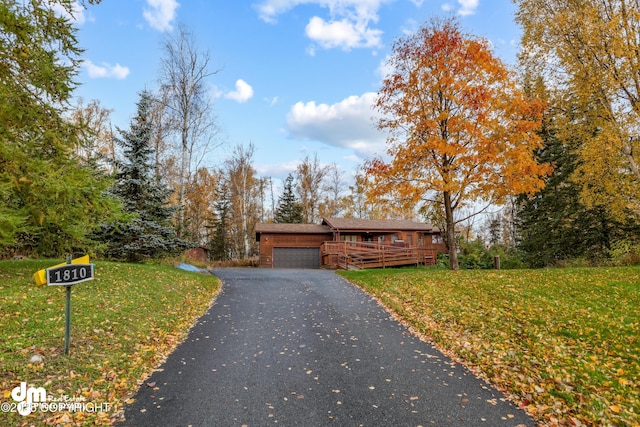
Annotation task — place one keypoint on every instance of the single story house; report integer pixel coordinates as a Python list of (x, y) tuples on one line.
[(319, 245)]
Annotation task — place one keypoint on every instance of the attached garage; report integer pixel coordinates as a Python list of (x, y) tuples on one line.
[(320, 245), (296, 257), (291, 245)]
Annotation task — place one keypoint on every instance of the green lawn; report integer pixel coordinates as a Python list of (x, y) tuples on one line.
[(124, 323), (565, 343)]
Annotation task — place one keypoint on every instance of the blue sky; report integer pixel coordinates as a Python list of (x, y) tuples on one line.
[(295, 77)]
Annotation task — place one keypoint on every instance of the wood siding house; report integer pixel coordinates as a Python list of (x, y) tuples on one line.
[(291, 245), (348, 243)]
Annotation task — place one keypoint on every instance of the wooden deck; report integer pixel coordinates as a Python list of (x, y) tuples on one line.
[(358, 255)]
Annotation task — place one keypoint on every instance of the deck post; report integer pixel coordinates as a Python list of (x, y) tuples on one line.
[(383, 260)]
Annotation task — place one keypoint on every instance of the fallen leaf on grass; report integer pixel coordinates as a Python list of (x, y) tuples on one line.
[(615, 408)]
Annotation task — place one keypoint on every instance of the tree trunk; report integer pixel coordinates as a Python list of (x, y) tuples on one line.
[(245, 226), (183, 181), (451, 233)]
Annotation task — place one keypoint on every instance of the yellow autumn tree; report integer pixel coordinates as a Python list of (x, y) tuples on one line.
[(94, 132), (589, 52), (461, 131), (200, 197)]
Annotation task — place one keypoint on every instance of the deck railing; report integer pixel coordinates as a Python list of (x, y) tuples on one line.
[(356, 255)]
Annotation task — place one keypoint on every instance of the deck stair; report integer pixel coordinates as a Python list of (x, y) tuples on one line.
[(348, 255)]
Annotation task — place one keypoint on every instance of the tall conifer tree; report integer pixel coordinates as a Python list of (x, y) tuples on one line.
[(49, 199), (219, 244), (553, 225), (149, 234), (289, 210)]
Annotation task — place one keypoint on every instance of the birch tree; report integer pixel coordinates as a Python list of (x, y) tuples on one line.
[(184, 74), (310, 175), (589, 53), (95, 137), (244, 199), (333, 202)]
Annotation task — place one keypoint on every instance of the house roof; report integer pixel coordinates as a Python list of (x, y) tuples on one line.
[(268, 227), (345, 224), (358, 224)]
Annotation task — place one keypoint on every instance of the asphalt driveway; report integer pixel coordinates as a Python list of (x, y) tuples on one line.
[(306, 348)]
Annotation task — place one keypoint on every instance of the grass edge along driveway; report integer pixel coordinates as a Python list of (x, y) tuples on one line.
[(123, 324), (563, 343)]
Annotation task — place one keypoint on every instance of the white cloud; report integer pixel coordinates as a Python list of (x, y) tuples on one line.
[(76, 15), (343, 33), (271, 101), (243, 92), (410, 26), (384, 68), (349, 123), (468, 7), (215, 92), (347, 26), (105, 70), (160, 14), (280, 170)]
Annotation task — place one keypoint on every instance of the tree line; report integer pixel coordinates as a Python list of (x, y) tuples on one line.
[(70, 183), (554, 145)]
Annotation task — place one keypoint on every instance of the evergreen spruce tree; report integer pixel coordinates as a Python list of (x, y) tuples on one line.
[(553, 226), (149, 233), (218, 245), (289, 210)]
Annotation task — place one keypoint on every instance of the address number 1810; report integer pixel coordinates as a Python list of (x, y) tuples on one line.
[(69, 274)]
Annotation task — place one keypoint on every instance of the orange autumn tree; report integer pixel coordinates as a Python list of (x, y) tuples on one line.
[(461, 131)]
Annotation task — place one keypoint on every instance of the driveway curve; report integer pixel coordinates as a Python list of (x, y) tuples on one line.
[(307, 348)]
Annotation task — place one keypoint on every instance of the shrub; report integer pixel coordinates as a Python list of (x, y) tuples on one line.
[(475, 256), (625, 252)]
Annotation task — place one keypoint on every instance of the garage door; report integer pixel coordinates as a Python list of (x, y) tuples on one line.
[(296, 257)]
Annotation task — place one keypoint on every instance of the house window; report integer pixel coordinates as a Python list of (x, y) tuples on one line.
[(420, 241), (380, 239), (409, 239), (349, 237), (436, 238)]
